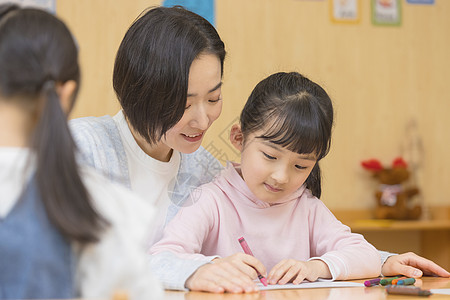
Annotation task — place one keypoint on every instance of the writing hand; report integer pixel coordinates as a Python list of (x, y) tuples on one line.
[(233, 274), (295, 271), (411, 265)]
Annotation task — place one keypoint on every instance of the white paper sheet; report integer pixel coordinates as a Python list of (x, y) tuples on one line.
[(310, 285)]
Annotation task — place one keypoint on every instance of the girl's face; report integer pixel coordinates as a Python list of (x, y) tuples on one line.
[(271, 171), (203, 106)]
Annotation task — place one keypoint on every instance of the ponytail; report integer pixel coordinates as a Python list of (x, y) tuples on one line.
[(37, 51), (64, 195)]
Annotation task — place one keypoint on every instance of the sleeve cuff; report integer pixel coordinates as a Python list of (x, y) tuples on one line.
[(173, 271), (384, 255), (329, 264)]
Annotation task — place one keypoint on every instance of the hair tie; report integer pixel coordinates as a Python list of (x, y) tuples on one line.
[(49, 85)]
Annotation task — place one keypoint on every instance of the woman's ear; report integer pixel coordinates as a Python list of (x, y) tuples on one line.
[(236, 137), (66, 92)]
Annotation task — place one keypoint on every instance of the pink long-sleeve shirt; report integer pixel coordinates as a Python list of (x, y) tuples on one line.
[(298, 227)]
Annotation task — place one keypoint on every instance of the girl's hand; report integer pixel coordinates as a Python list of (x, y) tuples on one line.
[(295, 271), (232, 274)]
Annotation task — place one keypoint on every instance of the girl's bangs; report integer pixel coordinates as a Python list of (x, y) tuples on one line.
[(297, 127)]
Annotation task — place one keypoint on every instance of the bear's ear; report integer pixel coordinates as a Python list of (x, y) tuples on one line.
[(399, 163), (373, 165)]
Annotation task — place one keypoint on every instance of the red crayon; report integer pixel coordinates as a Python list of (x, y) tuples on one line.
[(247, 250)]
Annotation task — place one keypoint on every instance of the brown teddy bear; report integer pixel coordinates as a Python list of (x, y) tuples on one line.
[(393, 198)]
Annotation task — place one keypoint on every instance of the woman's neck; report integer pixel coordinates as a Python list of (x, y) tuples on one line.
[(159, 151), (14, 125)]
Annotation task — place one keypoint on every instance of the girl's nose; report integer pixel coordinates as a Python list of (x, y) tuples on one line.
[(281, 175)]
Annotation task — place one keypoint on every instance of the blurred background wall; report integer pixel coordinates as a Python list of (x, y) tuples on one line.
[(382, 79)]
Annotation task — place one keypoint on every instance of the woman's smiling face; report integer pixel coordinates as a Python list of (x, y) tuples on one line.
[(203, 105)]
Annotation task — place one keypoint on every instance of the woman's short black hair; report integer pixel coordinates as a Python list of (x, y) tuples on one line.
[(152, 65)]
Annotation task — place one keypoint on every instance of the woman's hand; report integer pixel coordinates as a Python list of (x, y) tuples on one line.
[(232, 274), (295, 271), (411, 265)]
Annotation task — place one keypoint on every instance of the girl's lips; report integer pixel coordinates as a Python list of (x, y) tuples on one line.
[(193, 137), (271, 188)]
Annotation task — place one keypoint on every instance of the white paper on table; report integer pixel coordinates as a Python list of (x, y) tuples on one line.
[(440, 291), (310, 285)]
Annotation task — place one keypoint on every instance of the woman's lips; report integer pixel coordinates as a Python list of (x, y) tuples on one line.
[(193, 137)]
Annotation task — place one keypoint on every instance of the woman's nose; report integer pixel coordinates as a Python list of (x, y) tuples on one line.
[(199, 117)]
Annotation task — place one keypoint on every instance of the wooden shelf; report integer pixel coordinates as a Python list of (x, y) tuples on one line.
[(428, 238), (395, 225), (362, 221)]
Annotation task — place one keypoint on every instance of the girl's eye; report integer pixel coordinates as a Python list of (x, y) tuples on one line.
[(187, 106), (269, 156)]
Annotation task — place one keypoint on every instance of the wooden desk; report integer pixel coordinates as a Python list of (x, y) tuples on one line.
[(372, 293)]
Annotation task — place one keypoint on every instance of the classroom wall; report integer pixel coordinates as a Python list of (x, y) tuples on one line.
[(380, 78)]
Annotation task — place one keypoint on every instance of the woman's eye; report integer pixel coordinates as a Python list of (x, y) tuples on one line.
[(216, 100), (269, 156), (187, 106), (300, 167)]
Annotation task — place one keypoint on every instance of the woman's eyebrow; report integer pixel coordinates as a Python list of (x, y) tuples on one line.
[(210, 91)]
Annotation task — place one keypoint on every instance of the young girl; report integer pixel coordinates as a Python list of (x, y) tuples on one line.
[(271, 198), (65, 232)]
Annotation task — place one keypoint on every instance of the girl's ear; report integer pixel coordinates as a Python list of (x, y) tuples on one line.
[(236, 137), (65, 92)]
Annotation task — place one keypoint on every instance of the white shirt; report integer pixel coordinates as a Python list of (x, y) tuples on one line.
[(118, 262), (13, 176), (145, 172)]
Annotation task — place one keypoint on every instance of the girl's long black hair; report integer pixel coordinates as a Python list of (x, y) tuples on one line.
[(37, 53)]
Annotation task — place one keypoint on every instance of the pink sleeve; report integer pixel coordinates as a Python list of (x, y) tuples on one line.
[(348, 255), (186, 232)]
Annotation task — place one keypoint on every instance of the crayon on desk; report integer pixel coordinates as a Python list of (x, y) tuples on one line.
[(386, 281), (407, 281), (394, 282), (407, 290), (247, 250), (372, 282)]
